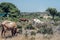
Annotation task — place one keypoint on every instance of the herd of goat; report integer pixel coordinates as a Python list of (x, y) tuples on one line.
[(12, 26)]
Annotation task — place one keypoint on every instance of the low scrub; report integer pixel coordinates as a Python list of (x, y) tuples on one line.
[(29, 26), (45, 30)]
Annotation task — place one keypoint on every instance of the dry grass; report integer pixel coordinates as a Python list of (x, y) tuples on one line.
[(36, 37)]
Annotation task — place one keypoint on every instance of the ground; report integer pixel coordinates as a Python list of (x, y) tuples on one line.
[(36, 37)]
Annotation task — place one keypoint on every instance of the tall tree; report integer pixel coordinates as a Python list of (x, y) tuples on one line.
[(52, 11), (9, 8)]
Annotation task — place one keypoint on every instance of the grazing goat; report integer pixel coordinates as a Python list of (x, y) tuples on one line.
[(23, 19), (8, 25)]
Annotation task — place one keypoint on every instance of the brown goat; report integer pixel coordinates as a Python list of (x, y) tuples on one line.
[(8, 26), (23, 19)]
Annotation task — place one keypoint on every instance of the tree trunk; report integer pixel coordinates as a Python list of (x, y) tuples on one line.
[(53, 17)]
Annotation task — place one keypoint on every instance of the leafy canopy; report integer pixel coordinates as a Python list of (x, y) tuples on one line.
[(52, 11), (9, 8)]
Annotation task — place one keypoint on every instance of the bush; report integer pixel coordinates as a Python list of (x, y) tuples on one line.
[(29, 27), (57, 19), (49, 31), (33, 33), (20, 27), (45, 30), (42, 30), (41, 17)]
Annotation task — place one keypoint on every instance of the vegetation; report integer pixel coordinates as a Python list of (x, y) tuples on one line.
[(33, 33), (52, 11), (9, 9), (11, 12), (45, 30), (58, 14), (30, 26)]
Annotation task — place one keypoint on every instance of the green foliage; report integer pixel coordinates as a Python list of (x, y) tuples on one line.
[(57, 19), (20, 27), (9, 8), (41, 17), (30, 26), (52, 11), (1, 11), (45, 30), (58, 14), (33, 33)]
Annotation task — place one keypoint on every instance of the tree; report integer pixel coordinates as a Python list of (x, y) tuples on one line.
[(1, 10), (9, 8), (52, 11)]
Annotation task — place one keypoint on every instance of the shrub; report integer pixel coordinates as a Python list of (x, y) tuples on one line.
[(33, 33), (49, 31), (57, 19), (20, 29), (29, 27), (45, 30), (41, 17)]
